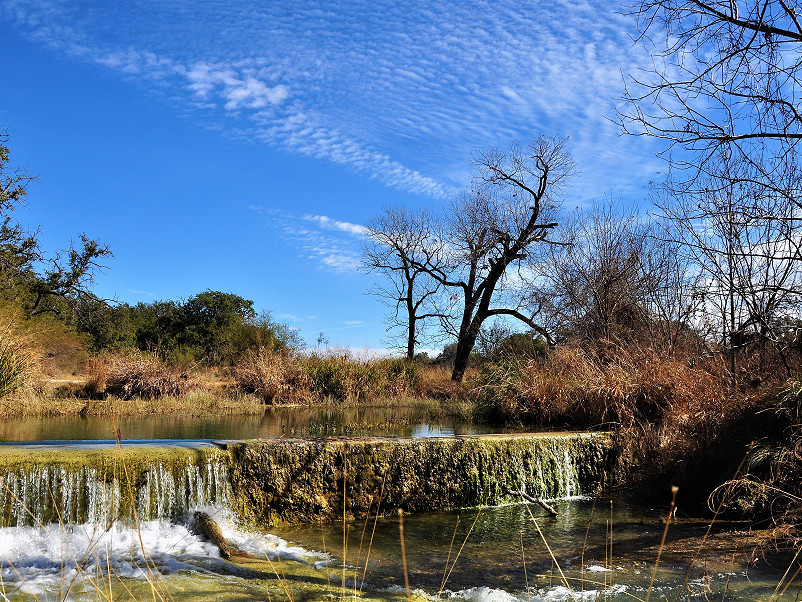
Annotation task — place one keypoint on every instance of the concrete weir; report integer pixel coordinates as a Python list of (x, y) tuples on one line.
[(294, 480)]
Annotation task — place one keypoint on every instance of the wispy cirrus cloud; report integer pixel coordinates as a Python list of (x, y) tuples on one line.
[(330, 244), (399, 92), (328, 223)]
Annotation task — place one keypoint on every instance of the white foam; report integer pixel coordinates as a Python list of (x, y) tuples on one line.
[(488, 594), (40, 560)]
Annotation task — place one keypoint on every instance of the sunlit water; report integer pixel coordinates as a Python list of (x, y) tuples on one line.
[(275, 422), (590, 552)]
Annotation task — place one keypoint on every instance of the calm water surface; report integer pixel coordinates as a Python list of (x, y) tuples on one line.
[(275, 422)]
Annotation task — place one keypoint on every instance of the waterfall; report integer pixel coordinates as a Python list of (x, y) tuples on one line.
[(284, 480), (296, 480), (103, 491)]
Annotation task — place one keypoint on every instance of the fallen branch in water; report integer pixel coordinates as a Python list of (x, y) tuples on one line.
[(534, 500)]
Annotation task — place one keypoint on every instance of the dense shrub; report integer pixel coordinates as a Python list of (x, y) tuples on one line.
[(132, 375), (272, 376)]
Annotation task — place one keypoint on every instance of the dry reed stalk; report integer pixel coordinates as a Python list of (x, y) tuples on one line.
[(551, 554), (373, 532), (674, 490), (459, 553), (526, 577), (403, 550)]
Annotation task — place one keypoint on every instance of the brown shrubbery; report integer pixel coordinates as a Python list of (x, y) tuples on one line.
[(16, 364), (272, 376), (576, 387), (132, 375), (278, 377)]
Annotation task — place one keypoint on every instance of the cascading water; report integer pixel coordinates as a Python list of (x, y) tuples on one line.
[(83, 522), (94, 522), (301, 480), (36, 493)]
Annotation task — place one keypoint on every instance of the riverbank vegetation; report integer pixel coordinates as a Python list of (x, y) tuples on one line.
[(688, 362)]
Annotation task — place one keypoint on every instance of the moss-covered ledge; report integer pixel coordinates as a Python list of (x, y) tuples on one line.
[(296, 480), (40, 484)]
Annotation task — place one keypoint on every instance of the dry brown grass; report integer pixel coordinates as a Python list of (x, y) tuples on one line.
[(272, 376), (136, 375), (578, 387), (281, 378)]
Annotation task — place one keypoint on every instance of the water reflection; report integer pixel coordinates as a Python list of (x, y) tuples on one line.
[(275, 422)]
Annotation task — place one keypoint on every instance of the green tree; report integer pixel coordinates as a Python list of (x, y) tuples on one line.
[(67, 277), (212, 322)]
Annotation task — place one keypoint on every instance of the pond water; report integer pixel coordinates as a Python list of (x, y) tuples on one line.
[(275, 422)]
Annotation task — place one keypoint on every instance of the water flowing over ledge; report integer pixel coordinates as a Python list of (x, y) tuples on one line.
[(272, 481), (291, 480), (101, 485)]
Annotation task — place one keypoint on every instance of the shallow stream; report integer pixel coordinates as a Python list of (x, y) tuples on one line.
[(490, 554)]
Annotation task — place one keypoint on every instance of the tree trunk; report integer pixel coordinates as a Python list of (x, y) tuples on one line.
[(465, 345), (411, 338)]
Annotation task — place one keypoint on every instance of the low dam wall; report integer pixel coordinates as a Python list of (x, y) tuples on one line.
[(327, 479), (272, 481)]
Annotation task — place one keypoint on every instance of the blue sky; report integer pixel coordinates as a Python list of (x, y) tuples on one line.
[(239, 146)]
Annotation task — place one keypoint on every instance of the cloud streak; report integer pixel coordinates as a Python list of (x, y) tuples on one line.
[(331, 245)]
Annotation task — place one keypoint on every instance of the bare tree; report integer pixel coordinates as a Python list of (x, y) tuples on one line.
[(724, 92), (746, 242), (400, 243), (598, 286), (613, 279), (490, 235), (726, 75)]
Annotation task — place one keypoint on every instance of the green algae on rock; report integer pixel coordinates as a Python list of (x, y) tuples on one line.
[(291, 480), (40, 485)]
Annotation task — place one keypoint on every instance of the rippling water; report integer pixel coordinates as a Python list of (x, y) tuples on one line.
[(489, 554)]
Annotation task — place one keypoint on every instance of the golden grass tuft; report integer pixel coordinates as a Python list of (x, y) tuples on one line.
[(579, 387), (136, 375), (272, 376), (16, 365)]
